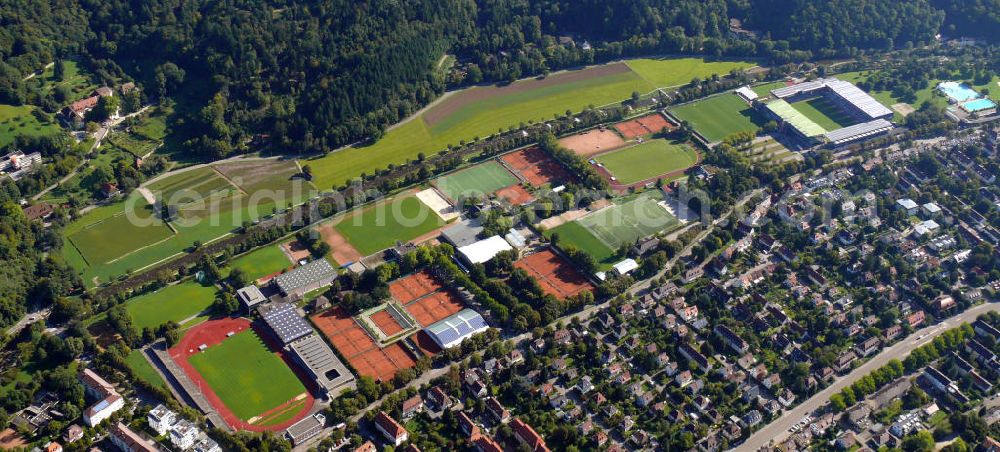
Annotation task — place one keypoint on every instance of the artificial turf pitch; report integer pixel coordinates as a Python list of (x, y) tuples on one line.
[(625, 223), (648, 160), (380, 226), (246, 375), (480, 180)]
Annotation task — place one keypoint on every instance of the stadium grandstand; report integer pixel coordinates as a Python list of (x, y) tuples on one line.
[(868, 116), (453, 330)]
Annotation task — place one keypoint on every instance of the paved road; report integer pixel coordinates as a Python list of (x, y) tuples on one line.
[(28, 319), (777, 431)]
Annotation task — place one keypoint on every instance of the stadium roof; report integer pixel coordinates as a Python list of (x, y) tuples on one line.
[(845, 90), (330, 373), (857, 131), (794, 118), (860, 99), (484, 250), (285, 322), (312, 272), (453, 330), (798, 88)]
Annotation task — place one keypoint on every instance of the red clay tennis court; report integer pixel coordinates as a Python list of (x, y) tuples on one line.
[(536, 167), (554, 274), (384, 321), (643, 126), (515, 194), (435, 307), (359, 349), (411, 287)]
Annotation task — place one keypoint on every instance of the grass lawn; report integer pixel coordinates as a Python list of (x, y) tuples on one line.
[(18, 120), (74, 78), (480, 180), (502, 107), (118, 235), (648, 160), (143, 369), (719, 116), (823, 112), (201, 223), (380, 226), (665, 72), (189, 186), (765, 89), (580, 237), (262, 262), (246, 375), (171, 303)]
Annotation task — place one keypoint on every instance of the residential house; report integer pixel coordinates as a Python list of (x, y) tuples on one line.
[(390, 429), (527, 436)]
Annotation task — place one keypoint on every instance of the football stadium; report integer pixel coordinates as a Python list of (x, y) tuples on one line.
[(827, 110)]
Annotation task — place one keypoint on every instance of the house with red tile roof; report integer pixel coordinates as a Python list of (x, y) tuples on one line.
[(390, 429)]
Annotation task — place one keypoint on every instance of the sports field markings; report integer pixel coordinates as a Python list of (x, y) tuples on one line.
[(625, 223), (648, 160), (719, 116), (248, 377), (483, 179)]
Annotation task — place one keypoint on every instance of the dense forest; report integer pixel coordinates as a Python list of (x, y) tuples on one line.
[(317, 75)]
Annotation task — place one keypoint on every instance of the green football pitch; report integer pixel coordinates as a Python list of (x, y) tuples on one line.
[(246, 375), (824, 112), (719, 116), (580, 237), (117, 235), (380, 226), (625, 223), (601, 233), (172, 303), (480, 180), (262, 262), (648, 160)]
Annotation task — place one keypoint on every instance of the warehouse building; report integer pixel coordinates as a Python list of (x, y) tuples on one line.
[(453, 330)]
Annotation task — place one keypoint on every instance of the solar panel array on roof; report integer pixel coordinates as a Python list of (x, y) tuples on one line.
[(305, 275), (859, 131), (453, 330), (286, 322)]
